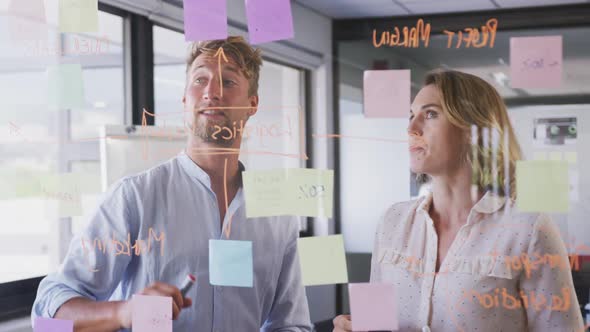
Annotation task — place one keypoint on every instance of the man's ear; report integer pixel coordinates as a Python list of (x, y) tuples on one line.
[(253, 103)]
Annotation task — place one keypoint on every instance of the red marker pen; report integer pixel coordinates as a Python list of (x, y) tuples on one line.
[(187, 284)]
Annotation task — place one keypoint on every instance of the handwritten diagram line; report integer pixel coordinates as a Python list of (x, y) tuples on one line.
[(219, 54)]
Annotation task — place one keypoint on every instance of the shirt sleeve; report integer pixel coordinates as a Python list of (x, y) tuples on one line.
[(290, 311), (93, 265), (548, 277)]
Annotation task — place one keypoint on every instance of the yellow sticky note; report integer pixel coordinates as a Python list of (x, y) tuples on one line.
[(571, 157), (78, 15), (555, 155), (293, 191), (322, 260), (540, 155), (542, 186), (313, 192)]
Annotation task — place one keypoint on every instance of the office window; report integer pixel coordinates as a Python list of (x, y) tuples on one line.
[(39, 142), (170, 51)]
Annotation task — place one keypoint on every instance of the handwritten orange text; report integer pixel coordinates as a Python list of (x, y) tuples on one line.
[(125, 248), (73, 46), (407, 37), (537, 301), (473, 37)]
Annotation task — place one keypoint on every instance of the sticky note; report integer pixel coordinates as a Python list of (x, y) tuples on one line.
[(151, 313), (322, 260), (289, 191), (230, 263), (571, 157), (66, 86), (555, 155), (536, 62), (386, 93), (53, 325), (542, 186), (28, 20), (62, 192), (20, 183), (205, 20), (269, 20), (78, 15), (373, 307)]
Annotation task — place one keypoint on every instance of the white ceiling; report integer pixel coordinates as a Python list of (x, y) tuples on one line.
[(381, 8)]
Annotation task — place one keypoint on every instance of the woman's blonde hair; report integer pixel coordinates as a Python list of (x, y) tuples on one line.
[(473, 105)]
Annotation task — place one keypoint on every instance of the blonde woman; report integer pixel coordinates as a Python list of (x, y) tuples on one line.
[(462, 257)]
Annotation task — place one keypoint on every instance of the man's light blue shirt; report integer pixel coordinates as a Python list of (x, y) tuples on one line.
[(175, 200)]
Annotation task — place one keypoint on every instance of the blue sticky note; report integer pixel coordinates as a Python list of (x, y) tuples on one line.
[(269, 20), (230, 263), (53, 325), (205, 20)]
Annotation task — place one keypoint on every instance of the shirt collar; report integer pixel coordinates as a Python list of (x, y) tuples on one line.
[(489, 203), (196, 171)]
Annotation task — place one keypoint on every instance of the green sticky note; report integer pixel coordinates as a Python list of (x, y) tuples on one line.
[(542, 186), (20, 183), (66, 86), (322, 260), (78, 15), (63, 195), (291, 191)]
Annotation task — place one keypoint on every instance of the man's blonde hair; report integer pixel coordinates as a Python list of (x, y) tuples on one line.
[(472, 104), (246, 57)]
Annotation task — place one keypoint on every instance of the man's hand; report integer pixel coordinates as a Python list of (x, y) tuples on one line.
[(125, 310), (342, 323)]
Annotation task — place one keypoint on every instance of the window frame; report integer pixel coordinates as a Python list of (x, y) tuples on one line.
[(17, 297)]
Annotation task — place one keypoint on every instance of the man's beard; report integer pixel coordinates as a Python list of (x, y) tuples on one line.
[(208, 131)]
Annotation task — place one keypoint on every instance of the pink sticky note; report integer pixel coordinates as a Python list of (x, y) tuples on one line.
[(536, 62), (28, 20), (152, 313), (205, 20), (53, 325), (386, 93), (373, 307), (269, 20)]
